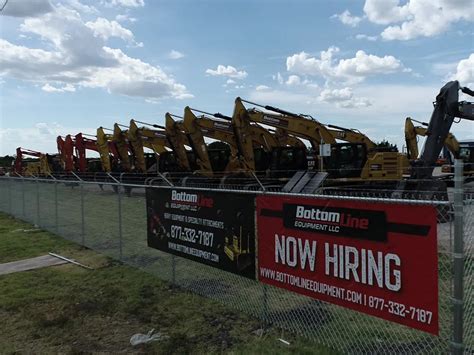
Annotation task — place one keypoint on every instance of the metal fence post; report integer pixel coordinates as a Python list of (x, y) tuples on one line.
[(56, 210), (37, 203), (119, 193), (457, 346), (23, 196), (83, 226), (10, 210)]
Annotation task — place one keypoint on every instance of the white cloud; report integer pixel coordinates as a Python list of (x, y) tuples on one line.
[(347, 19), (278, 78), (343, 98), (384, 12), (354, 69), (124, 18), (293, 80), (417, 18), (106, 29), (75, 54), (40, 136), (412, 100), (262, 88), (27, 8), (227, 71), (77, 5), (465, 72), (230, 81), (173, 54), (124, 3), (51, 88), (366, 37)]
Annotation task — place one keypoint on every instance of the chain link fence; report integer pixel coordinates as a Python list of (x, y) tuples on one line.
[(111, 218)]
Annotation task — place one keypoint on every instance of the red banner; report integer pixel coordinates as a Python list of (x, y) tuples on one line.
[(379, 259)]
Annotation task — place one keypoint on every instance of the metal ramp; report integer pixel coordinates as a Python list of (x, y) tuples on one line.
[(305, 182)]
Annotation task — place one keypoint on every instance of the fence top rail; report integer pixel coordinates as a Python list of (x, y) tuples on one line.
[(242, 191), (317, 195)]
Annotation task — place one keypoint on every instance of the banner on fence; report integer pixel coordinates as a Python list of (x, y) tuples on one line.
[(214, 228), (379, 259)]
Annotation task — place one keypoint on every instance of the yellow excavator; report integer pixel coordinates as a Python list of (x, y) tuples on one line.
[(41, 167), (140, 137), (120, 139), (203, 126), (391, 159), (286, 139), (272, 153), (412, 132), (178, 140), (353, 161), (106, 149), (457, 149)]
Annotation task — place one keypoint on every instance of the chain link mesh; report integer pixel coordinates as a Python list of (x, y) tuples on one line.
[(468, 218), (111, 219)]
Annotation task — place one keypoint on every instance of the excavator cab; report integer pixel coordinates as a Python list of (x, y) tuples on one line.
[(219, 155), (346, 161), (168, 162), (466, 153), (285, 161)]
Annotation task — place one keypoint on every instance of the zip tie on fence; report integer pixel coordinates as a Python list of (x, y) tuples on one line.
[(458, 255), (457, 345), (70, 261), (457, 301)]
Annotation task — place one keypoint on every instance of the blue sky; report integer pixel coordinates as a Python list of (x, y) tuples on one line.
[(73, 65)]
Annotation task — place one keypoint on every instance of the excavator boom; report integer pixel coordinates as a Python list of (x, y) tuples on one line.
[(119, 138), (177, 140), (446, 108)]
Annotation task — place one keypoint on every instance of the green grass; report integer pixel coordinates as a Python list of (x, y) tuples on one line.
[(69, 309)]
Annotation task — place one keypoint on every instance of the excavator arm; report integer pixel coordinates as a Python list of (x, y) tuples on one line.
[(196, 139), (41, 167), (148, 138), (119, 138), (218, 130), (100, 145), (65, 150), (411, 133), (285, 139), (104, 150), (299, 125), (446, 108), (351, 135), (177, 139)]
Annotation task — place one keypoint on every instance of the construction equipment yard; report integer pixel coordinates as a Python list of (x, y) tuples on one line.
[(238, 220), (236, 177)]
